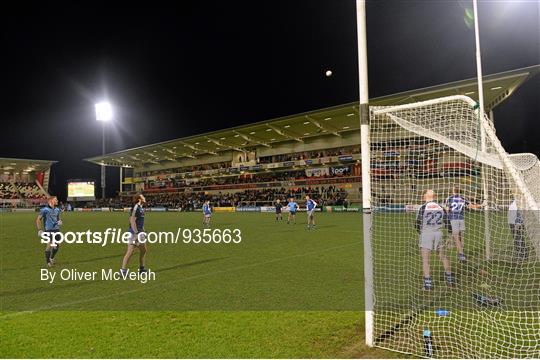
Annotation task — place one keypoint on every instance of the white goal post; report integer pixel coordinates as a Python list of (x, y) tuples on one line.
[(494, 309)]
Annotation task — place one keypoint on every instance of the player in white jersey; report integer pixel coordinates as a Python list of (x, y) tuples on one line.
[(207, 213), (517, 227), (310, 209), (430, 219)]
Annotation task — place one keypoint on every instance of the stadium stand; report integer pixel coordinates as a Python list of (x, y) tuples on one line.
[(23, 182), (8, 191), (257, 163)]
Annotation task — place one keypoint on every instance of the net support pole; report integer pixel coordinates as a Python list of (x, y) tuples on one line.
[(366, 181), (481, 109)]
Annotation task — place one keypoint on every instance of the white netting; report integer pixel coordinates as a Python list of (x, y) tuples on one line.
[(494, 311)]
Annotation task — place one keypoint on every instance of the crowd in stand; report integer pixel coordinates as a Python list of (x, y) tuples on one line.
[(30, 191), (238, 179), (262, 160), (213, 166), (324, 195), (8, 191), (310, 155), (18, 190)]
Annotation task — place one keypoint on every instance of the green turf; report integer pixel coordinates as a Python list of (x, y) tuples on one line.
[(510, 330), (283, 291)]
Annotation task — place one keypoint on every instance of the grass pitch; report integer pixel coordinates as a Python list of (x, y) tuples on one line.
[(283, 291)]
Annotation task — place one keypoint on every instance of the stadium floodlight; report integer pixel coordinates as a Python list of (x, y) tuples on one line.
[(104, 111)]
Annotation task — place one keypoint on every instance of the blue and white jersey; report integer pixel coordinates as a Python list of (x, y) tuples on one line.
[(137, 211), (310, 204), (430, 217), (207, 210), (50, 217), (293, 206), (456, 205)]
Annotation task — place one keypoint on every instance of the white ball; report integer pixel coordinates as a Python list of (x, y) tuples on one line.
[(328, 73)]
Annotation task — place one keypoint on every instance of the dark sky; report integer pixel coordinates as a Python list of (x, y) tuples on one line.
[(202, 66)]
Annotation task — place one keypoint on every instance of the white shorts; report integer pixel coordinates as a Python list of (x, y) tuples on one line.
[(134, 239), (207, 215), (431, 240), (457, 226)]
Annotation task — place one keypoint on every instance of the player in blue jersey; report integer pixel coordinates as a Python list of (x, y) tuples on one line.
[(207, 213), (49, 221), (430, 219), (310, 208), (293, 207), (455, 205), (137, 239)]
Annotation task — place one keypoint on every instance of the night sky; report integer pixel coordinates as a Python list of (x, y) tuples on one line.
[(178, 71)]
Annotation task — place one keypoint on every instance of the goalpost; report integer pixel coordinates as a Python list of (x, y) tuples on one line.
[(495, 309), (365, 163)]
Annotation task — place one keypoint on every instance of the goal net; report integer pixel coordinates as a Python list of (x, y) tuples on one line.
[(494, 308)]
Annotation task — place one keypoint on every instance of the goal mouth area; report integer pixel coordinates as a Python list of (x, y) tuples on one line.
[(492, 306), (521, 161)]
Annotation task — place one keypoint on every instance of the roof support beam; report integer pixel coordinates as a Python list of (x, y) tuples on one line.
[(280, 132), (150, 154), (195, 148), (223, 145), (247, 138), (168, 150), (136, 161), (325, 129)]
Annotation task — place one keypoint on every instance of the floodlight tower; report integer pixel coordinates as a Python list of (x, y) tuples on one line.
[(104, 114)]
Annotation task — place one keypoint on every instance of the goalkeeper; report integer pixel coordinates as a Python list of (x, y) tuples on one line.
[(430, 219), (515, 221)]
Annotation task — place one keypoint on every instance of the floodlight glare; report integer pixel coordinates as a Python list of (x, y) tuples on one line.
[(104, 111)]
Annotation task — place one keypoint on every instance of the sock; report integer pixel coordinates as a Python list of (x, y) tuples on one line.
[(54, 251), (48, 256)]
